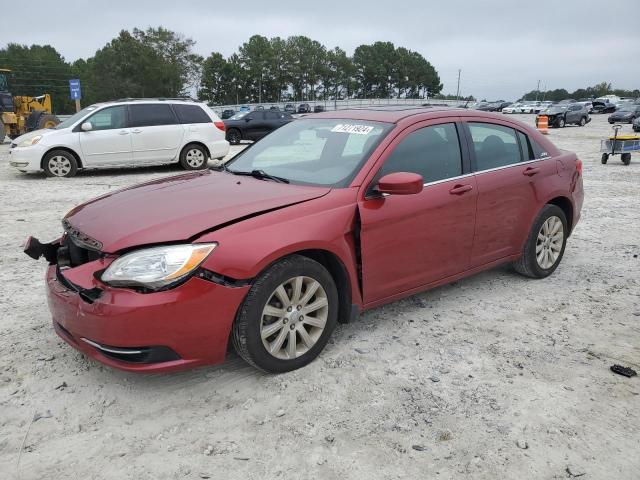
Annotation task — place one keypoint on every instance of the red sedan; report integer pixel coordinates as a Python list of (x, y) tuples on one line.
[(324, 218)]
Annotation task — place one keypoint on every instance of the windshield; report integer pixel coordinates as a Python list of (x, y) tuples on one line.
[(326, 152), (238, 116), (75, 117)]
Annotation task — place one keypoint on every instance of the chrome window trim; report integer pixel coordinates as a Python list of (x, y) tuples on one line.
[(478, 172)]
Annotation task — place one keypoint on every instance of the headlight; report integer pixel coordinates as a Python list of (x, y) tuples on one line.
[(30, 141), (157, 267)]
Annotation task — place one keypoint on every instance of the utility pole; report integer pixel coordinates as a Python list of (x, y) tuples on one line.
[(537, 90), (458, 89)]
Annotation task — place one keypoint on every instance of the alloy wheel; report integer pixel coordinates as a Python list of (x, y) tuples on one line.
[(549, 242), (60, 166), (195, 158), (294, 318)]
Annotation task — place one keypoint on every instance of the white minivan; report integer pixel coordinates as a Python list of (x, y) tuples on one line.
[(122, 133)]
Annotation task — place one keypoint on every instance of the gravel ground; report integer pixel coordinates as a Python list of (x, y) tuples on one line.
[(493, 377)]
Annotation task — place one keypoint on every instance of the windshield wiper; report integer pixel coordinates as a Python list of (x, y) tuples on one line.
[(260, 174)]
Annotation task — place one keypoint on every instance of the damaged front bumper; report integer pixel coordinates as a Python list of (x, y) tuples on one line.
[(175, 329)]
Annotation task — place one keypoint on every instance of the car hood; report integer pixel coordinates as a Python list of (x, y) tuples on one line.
[(622, 113), (45, 132), (553, 111), (179, 208)]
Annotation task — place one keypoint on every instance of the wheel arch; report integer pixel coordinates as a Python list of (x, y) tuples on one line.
[(566, 206), (65, 149)]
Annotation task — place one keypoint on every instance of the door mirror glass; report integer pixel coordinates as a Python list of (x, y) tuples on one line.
[(401, 183), (86, 127)]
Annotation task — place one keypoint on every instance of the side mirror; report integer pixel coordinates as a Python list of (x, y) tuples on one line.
[(400, 183), (247, 119), (86, 127)]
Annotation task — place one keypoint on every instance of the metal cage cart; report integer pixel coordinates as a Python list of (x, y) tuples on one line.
[(621, 145)]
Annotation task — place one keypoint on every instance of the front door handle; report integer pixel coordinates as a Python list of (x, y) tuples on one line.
[(137, 130), (460, 189), (123, 132), (531, 171)]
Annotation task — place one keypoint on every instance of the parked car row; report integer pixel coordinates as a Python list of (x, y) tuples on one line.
[(254, 125)]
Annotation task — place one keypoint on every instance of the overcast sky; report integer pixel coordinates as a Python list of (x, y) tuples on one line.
[(502, 47)]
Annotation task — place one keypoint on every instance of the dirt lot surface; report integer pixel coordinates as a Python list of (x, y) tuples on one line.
[(493, 377)]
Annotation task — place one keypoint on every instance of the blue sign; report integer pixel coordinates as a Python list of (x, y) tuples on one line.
[(74, 89)]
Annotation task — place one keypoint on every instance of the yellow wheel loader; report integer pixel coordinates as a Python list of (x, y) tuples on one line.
[(22, 114)]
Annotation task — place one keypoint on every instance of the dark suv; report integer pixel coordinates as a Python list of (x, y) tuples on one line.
[(254, 125), (304, 108)]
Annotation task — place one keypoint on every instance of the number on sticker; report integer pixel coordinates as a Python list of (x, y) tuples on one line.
[(352, 128)]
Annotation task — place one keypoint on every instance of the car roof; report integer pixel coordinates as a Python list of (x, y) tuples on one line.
[(399, 113)]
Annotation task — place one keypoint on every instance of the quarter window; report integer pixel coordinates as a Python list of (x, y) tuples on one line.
[(433, 152), (191, 114), (494, 145), (525, 148), (150, 115), (109, 118)]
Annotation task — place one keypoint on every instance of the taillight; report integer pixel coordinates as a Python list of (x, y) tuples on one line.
[(219, 125), (579, 166)]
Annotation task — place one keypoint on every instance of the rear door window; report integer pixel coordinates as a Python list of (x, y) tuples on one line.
[(495, 146), (149, 115), (433, 152), (190, 114)]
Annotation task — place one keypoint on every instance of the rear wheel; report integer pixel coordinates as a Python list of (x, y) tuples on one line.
[(234, 136), (48, 121), (59, 163), (626, 158), (287, 316), (545, 245), (193, 157), (604, 158)]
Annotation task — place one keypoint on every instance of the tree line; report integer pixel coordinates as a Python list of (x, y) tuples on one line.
[(158, 62), (599, 90)]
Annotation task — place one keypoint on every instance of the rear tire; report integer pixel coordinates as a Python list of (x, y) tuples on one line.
[(626, 158), (59, 163), (276, 342), (234, 136), (604, 158), (545, 245), (193, 157)]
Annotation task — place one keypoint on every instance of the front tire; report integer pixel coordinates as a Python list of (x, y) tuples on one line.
[(561, 123), (59, 163), (604, 158), (288, 315), (583, 122), (545, 245), (193, 157)]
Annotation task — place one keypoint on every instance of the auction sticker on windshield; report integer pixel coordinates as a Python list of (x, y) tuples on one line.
[(351, 128)]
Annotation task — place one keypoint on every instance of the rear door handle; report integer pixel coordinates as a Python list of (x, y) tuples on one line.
[(123, 132), (531, 171), (460, 189)]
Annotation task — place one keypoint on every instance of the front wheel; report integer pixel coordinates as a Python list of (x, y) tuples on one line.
[(59, 163), (561, 123), (288, 315), (583, 122), (604, 158), (545, 245)]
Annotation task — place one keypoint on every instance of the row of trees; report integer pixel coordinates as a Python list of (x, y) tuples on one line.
[(161, 63), (598, 90)]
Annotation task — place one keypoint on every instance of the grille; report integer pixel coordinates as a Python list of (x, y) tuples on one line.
[(71, 254)]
